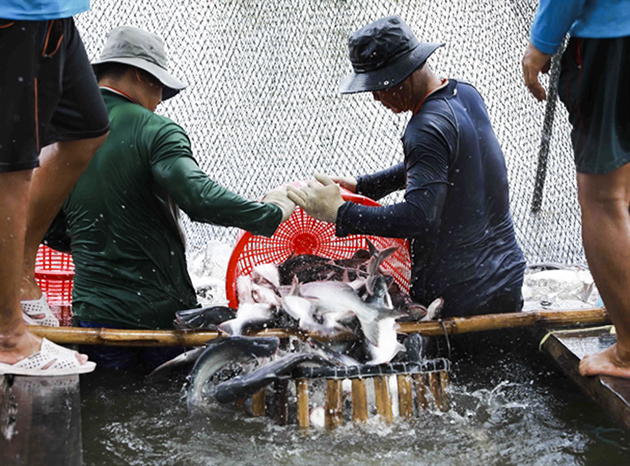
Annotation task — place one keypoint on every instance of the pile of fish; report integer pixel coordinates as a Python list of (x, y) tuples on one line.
[(322, 297), (315, 297)]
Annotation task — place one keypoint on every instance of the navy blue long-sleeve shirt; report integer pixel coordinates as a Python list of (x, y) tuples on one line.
[(456, 204)]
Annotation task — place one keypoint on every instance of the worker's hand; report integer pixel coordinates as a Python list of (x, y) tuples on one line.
[(535, 62), (347, 182), (320, 199), (279, 197)]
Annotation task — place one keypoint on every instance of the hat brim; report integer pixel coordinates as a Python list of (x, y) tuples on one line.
[(389, 76), (171, 84)]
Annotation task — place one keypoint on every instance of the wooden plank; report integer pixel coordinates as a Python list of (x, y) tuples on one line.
[(40, 421), (421, 391), (405, 397), (302, 404), (444, 388), (259, 407), (359, 400), (383, 401), (434, 386), (334, 404), (568, 347)]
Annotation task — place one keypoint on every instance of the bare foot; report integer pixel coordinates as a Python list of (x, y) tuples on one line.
[(606, 362), (23, 347)]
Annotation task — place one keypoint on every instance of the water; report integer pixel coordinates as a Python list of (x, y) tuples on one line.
[(509, 407)]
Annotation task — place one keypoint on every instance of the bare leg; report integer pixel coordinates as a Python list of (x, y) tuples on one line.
[(61, 165), (605, 203), (16, 342)]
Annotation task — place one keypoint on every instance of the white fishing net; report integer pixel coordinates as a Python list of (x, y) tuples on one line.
[(263, 109)]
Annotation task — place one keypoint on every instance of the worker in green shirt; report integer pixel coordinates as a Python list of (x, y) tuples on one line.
[(127, 247)]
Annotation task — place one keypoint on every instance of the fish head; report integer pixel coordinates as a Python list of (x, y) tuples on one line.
[(264, 294), (203, 318), (380, 292), (266, 274)]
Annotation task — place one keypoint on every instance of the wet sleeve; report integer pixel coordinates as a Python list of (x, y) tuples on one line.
[(204, 200), (553, 21), (380, 184), (427, 150)]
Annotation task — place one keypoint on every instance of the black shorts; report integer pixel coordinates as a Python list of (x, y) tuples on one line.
[(48, 91), (594, 86)]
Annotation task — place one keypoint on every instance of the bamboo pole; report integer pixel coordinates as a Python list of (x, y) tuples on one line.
[(421, 391), (434, 386), (453, 325), (258, 403), (405, 398), (334, 404), (301, 387), (359, 400), (444, 387), (383, 401)]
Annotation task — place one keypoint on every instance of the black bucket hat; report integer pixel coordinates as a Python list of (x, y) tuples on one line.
[(145, 50), (383, 54)]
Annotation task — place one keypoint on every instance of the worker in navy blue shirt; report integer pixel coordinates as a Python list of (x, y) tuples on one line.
[(456, 208), (594, 86)]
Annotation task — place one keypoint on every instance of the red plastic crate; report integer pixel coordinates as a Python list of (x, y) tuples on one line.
[(302, 234), (54, 273)]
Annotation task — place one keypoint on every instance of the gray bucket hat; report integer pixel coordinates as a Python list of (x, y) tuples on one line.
[(142, 49), (383, 54)]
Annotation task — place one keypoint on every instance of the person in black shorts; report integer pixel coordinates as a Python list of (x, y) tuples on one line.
[(53, 120), (594, 86)]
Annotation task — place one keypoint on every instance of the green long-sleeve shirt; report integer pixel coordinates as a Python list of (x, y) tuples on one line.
[(130, 266)]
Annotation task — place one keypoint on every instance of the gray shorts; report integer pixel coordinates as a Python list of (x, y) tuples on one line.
[(594, 86)]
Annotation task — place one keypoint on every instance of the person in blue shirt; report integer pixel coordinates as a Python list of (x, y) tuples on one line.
[(456, 205), (53, 120), (594, 85)]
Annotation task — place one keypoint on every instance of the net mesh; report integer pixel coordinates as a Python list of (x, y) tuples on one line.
[(262, 108)]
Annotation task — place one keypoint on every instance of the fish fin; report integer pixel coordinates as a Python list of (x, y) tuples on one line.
[(227, 327), (166, 368), (371, 331), (371, 247), (434, 309)]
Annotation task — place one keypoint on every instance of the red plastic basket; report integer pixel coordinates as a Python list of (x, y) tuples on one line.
[(54, 273), (302, 234)]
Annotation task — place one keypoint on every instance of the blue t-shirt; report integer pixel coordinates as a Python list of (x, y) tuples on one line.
[(595, 19), (41, 10), (456, 208)]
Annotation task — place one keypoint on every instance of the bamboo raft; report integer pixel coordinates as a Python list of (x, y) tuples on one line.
[(420, 385)]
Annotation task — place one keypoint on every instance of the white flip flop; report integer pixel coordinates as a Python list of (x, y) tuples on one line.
[(50, 360), (35, 307)]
